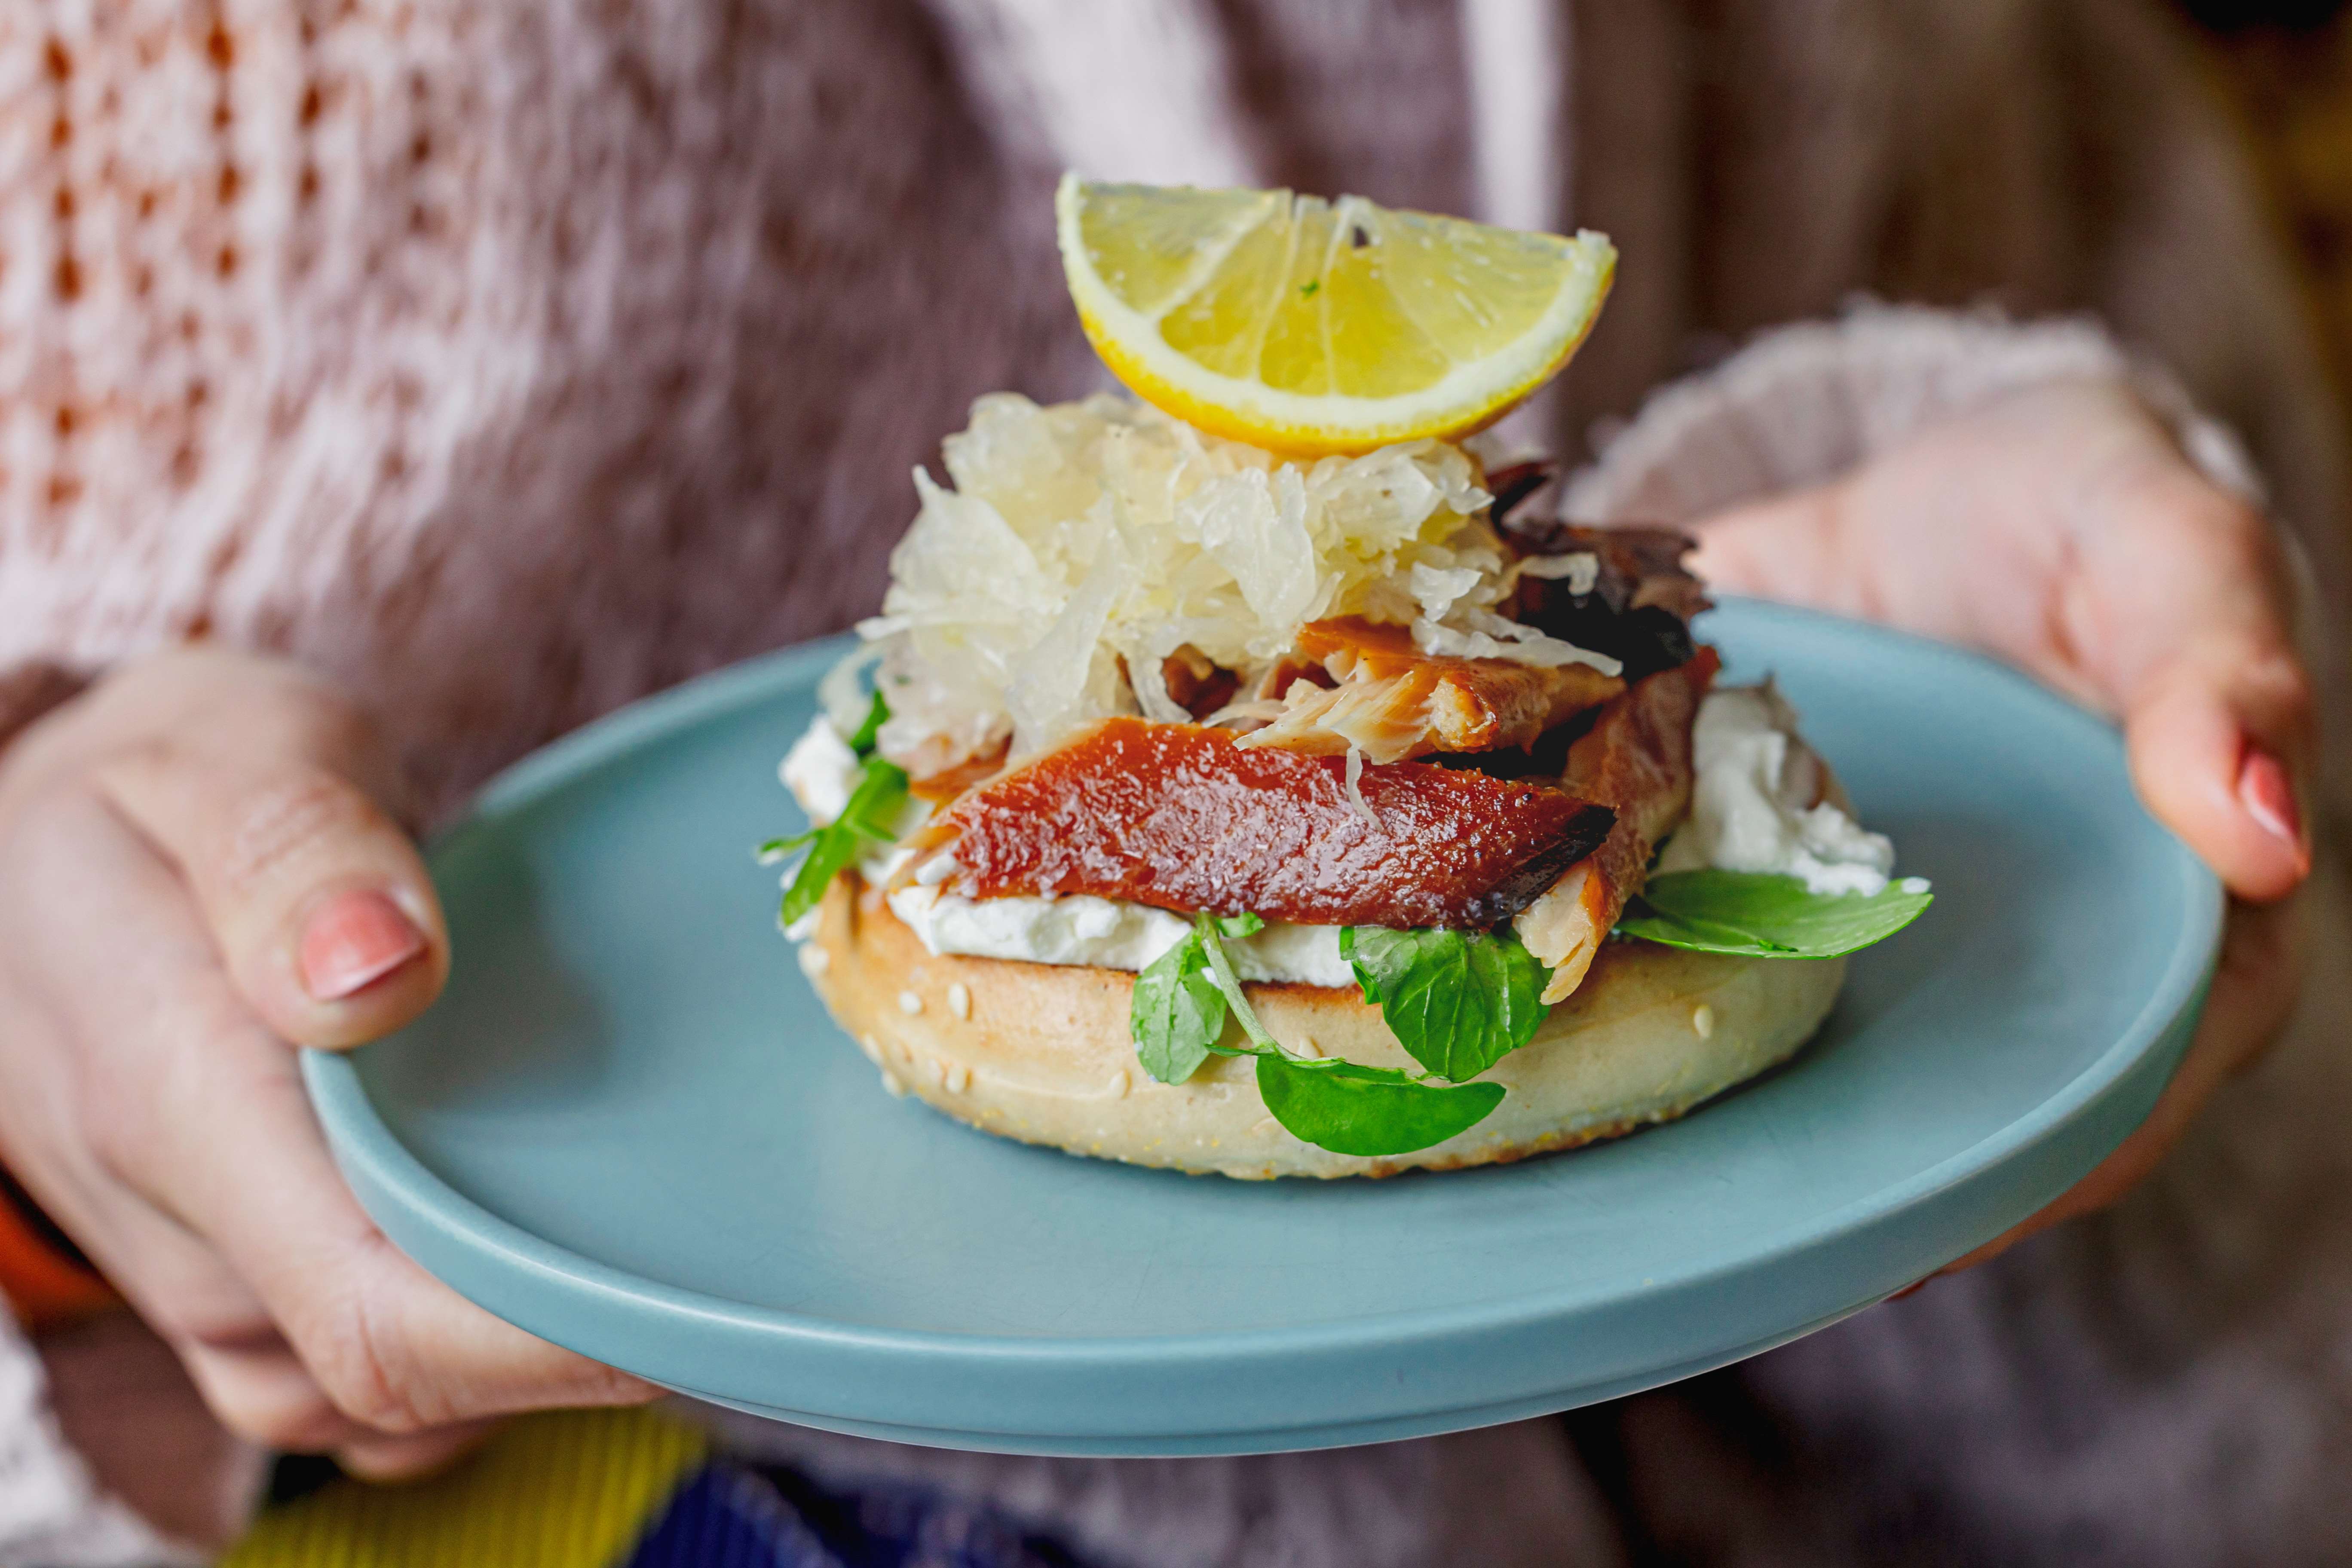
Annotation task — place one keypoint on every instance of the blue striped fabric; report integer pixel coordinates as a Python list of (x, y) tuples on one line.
[(730, 1516)]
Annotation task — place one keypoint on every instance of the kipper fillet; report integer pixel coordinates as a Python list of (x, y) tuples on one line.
[(1637, 758), (1181, 817), (1390, 701)]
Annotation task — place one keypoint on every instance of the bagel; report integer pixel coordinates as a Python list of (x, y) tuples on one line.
[(1042, 1053)]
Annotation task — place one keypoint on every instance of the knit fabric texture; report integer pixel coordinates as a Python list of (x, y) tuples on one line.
[(511, 362)]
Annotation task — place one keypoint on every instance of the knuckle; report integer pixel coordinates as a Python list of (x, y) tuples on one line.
[(115, 1135), (286, 821), (366, 1371), (114, 1115)]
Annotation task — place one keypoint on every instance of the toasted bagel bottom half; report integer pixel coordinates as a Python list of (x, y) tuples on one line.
[(1041, 1052)]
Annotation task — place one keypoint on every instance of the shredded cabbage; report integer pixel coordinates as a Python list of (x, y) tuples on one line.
[(1085, 543)]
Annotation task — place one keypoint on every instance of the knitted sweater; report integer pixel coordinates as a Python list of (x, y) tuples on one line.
[(509, 362)]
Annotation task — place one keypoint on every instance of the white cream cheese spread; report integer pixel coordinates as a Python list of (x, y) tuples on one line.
[(1108, 934), (821, 770), (1760, 801)]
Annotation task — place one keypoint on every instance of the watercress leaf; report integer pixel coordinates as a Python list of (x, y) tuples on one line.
[(1176, 1013), (1240, 926), (1348, 952), (1458, 1002), (1353, 1110), (775, 850), (1768, 916), (1698, 935), (877, 715), (828, 857), (871, 813), (1220, 972), (873, 807)]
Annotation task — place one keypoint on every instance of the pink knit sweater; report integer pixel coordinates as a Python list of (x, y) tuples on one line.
[(511, 362)]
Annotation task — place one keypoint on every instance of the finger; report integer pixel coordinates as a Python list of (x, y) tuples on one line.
[(2170, 617), (2210, 736), (382, 1459), (2177, 610), (263, 1393), (198, 1111), (394, 1349), (215, 1204), (95, 959), (2253, 994), (1792, 546), (317, 901)]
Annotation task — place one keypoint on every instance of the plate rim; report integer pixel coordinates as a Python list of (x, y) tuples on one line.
[(372, 1156)]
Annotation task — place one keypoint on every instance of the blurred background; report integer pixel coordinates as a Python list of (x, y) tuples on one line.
[(2287, 68)]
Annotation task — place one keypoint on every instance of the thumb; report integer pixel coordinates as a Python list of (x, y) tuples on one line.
[(321, 911), (2185, 627), (2216, 744)]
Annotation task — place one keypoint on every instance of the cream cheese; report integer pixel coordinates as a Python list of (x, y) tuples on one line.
[(1107, 934), (1761, 800), (822, 770)]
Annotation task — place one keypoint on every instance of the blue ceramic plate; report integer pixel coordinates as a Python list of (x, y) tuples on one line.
[(630, 1127)]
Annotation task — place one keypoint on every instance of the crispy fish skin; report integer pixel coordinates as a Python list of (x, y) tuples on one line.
[(1392, 701), (1181, 817), (1637, 758)]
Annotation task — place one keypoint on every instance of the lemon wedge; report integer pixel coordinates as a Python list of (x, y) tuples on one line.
[(1314, 327)]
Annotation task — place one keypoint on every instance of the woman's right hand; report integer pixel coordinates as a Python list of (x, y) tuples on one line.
[(196, 877)]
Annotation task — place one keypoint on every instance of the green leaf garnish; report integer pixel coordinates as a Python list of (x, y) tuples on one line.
[(1178, 1017), (1761, 915), (1209, 932), (1353, 1110), (1457, 1001), (1180, 1005), (876, 714), (777, 848), (869, 816), (1177, 1012)]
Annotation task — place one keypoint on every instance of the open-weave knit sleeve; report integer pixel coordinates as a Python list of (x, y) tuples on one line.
[(51, 1512), (504, 363)]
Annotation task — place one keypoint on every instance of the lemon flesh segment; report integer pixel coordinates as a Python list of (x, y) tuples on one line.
[(1314, 327)]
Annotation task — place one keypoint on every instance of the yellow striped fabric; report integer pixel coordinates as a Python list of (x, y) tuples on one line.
[(568, 1489)]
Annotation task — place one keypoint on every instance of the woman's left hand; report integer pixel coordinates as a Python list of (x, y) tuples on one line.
[(2063, 531)]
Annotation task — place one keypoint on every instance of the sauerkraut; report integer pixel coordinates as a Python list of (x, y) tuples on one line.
[(1084, 543)]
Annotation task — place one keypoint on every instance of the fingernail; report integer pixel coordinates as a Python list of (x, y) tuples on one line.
[(2268, 798), (353, 940)]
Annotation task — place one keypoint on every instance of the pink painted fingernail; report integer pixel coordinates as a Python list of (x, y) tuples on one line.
[(353, 940), (2268, 798)]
